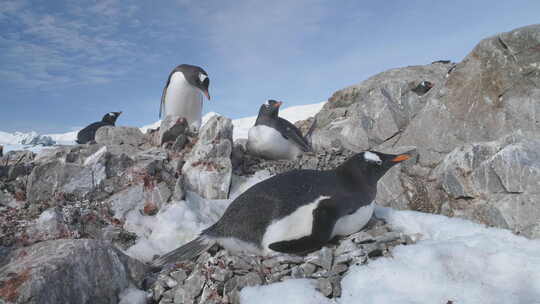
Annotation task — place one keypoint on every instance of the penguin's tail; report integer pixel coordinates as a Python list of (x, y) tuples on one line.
[(186, 252)]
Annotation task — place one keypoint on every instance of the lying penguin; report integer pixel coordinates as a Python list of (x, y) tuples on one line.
[(273, 137), (296, 212), (88, 134)]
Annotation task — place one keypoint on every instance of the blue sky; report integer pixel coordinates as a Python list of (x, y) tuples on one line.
[(63, 64)]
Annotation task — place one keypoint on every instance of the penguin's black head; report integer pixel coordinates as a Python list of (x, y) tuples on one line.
[(270, 108), (197, 77), (111, 117), (370, 166)]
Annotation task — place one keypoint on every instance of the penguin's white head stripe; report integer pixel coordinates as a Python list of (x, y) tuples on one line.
[(202, 77), (372, 157), (111, 114)]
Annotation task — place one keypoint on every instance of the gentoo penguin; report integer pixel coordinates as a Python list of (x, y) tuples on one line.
[(422, 87), (182, 95), (88, 134), (273, 137), (1, 151), (296, 212)]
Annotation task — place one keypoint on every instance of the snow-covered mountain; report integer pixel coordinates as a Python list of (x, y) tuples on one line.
[(34, 142)]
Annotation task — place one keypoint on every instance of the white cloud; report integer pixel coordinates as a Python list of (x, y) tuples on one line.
[(79, 45)]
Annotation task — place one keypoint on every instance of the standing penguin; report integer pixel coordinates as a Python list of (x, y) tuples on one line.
[(182, 95), (273, 137), (296, 212), (88, 134)]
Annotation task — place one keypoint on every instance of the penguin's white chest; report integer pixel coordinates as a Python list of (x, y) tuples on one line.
[(352, 223), (269, 143), (183, 99), (291, 227)]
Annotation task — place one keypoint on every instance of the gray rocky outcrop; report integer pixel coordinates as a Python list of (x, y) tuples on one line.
[(97, 273), (208, 168)]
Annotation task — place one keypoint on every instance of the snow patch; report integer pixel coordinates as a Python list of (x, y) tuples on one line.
[(300, 291), (132, 296)]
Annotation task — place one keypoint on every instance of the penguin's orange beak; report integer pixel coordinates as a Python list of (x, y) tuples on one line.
[(400, 158), (279, 103)]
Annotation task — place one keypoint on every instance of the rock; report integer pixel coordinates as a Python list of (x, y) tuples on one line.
[(58, 178), (97, 273), (498, 79), (375, 111), (172, 128), (208, 169), (498, 180), (120, 136), (322, 258)]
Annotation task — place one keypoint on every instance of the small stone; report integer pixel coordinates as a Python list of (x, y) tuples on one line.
[(194, 284), (324, 286), (339, 268), (388, 237), (297, 272), (158, 291), (250, 279), (308, 269), (270, 263), (322, 258), (221, 274), (362, 237), (150, 209), (209, 295), (345, 258), (181, 297), (289, 259), (336, 286), (170, 282), (345, 246), (179, 275)]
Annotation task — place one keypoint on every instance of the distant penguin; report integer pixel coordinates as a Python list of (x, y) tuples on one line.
[(422, 88), (182, 95), (1, 151), (296, 212), (88, 134), (273, 137)]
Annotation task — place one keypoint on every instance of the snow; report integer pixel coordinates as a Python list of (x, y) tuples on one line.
[(454, 260), (176, 224), (300, 291), (132, 295)]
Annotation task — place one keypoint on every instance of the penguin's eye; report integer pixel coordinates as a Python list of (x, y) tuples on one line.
[(202, 77), (371, 157)]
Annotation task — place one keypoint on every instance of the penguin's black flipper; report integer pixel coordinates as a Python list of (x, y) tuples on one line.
[(290, 131), (324, 220)]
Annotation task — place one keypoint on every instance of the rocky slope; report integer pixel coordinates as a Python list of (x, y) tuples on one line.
[(476, 140)]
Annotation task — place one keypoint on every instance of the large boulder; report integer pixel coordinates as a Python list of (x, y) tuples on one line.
[(496, 183), (375, 111), (494, 91), (68, 271), (208, 168)]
